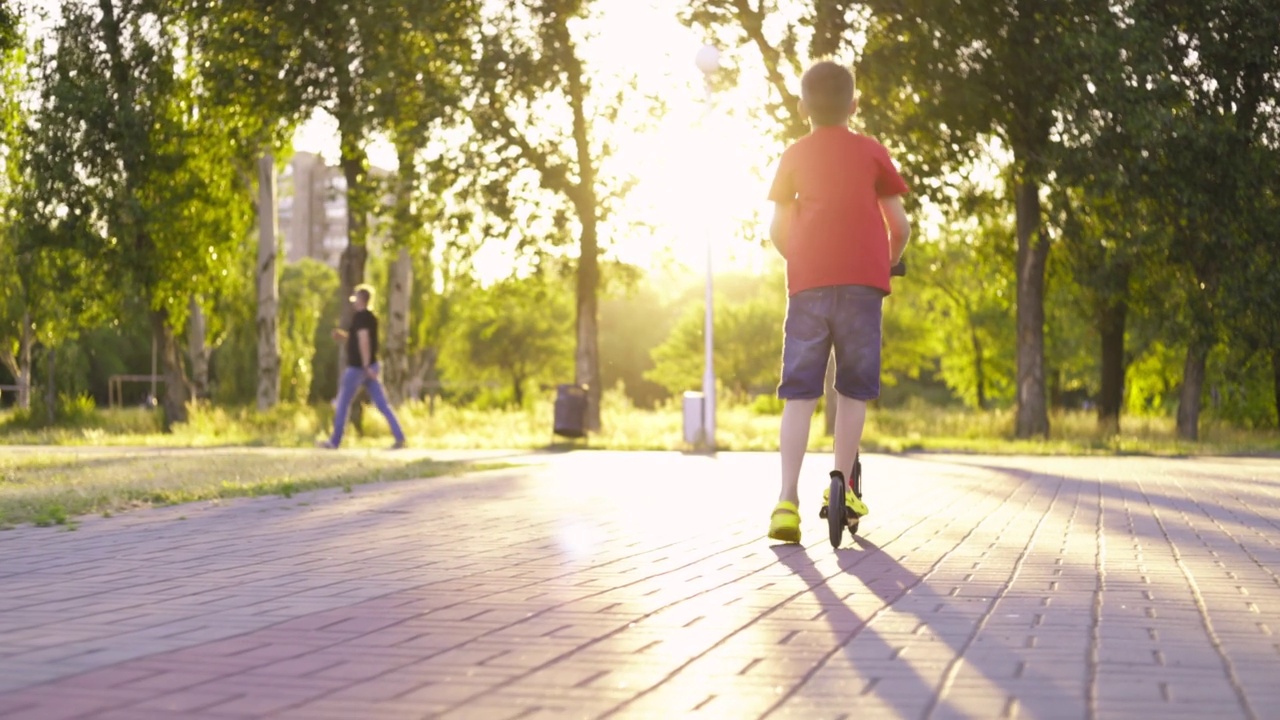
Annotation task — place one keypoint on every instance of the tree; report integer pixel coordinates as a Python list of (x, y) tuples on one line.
[(950, 82), (515, 329), (420, 92), (1215, 147), (535, 113), (305, 287), (748, 339), (248, 50), (16, 332), (130, 171), (969, 321), (10, 37)]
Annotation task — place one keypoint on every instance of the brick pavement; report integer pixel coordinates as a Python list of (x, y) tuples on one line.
[(640, 585)]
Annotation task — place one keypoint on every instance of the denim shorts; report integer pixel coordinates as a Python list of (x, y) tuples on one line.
[(846, 316)]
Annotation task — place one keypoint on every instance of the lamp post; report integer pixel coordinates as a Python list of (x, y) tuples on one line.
[(708, 61)]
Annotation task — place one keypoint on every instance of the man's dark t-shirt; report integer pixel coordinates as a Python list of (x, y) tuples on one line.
[(362, 320)]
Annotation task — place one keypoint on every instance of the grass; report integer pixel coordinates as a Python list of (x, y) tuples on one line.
[(48, 488), (917, 426), (52, 485)]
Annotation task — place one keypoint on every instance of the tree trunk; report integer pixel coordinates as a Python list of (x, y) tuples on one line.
[(51, 388), (395, 363), (1111, 325), (1033, 252), (587, 356), (517, 390), (355, 169), (177, 390), (583, 195), (1192, 388), (268, 287), (20, 365), (979, 368), (23, 377), (198, 349), (421, 367), (1275, 380)]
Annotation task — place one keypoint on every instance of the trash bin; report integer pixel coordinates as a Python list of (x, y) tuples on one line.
[(571, 411), (693, 407)]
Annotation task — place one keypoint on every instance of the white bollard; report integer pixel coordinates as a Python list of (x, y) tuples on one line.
[(693, 429)]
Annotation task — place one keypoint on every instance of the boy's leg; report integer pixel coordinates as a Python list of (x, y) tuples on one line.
[(792, 443), (347, 387), (857, 345), (379, 398), (851, 415), (806, 345)]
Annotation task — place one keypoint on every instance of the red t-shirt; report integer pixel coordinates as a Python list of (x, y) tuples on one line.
[(836, 178)]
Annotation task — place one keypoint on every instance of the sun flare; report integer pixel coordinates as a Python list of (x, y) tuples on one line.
[(700, 171)]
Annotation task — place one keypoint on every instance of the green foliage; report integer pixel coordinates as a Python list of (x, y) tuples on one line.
[(69, 411), (748, 340), (515, 331), (1242, 388), (968, 325), (9, 36), (1153, 380), (306, 288), (49, 516), (636, 317)]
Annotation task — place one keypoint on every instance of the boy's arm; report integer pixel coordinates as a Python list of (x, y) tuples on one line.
[(895, 217), (780, 228)]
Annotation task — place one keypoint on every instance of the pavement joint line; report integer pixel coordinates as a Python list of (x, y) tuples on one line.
[(491, 631), (1095, 611), (1251, 525), (953, 667), (886, 603), (753, 621), (1104, 617), (1198, 598)]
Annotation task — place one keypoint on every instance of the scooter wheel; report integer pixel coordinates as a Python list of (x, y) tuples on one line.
[(836, 509)]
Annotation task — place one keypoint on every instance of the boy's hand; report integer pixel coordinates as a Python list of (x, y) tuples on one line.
[(780, 227), (339, 334)]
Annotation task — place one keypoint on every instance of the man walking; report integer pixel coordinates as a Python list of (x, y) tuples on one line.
[(362, 369)]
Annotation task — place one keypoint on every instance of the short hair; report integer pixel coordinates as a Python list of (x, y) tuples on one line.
[(827, 91), (363, 291)]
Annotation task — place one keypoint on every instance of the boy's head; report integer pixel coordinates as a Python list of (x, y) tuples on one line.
[(826, 94)]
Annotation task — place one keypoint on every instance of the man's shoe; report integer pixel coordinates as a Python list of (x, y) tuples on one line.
[(398, 445), (326, 445), (784, 525)]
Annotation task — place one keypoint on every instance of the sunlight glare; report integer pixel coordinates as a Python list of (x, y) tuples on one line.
[(700, 173)]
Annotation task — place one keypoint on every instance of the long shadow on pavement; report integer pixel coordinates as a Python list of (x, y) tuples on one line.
[(1011, 680)]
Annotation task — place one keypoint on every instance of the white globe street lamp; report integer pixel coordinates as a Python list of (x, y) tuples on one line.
[(708, 61)]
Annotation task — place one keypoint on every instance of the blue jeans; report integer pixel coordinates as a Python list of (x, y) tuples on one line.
[(844, 316), (352, 379)]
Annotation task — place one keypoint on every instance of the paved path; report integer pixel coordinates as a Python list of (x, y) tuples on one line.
[(597, 584)]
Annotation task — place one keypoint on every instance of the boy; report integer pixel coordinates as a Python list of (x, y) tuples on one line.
[(362, 369), (833, 195)]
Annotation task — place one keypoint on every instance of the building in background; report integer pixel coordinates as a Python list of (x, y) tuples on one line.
[(313, 209)]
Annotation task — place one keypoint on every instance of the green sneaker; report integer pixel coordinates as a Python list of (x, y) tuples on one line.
[(784, 524), (856, 508)]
